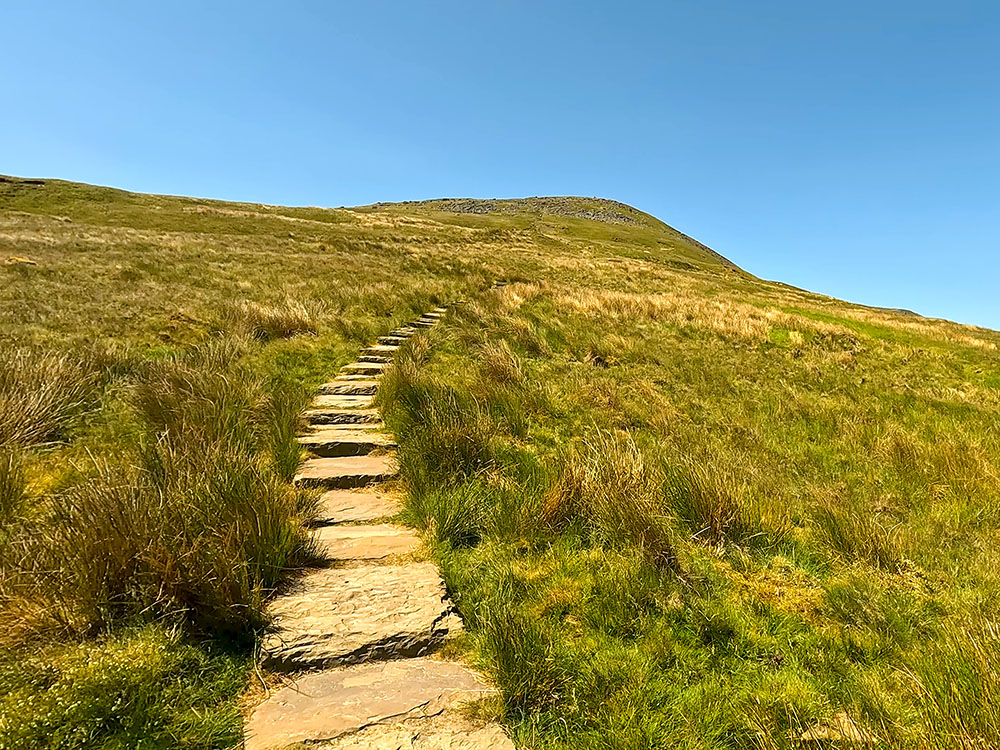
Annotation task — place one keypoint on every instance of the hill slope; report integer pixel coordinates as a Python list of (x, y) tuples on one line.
[(676, 505)]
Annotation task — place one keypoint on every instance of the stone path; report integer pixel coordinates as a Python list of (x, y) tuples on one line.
[(356, 635)]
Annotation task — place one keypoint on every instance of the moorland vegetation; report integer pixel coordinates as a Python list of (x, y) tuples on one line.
[(676, 505)]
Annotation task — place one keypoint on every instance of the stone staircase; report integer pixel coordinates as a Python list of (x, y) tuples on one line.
[(356, 634)]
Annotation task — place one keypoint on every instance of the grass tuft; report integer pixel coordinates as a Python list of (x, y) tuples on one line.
[(42, 396), (269, 322)]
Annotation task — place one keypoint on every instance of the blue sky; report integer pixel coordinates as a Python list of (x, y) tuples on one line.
[(850, 148)]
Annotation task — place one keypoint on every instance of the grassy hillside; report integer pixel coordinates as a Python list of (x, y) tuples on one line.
[(677, 506)]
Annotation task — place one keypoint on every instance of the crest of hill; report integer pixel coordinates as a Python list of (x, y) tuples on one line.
[(602, 210)]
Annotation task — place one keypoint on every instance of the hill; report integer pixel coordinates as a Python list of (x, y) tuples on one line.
[(676, 505)]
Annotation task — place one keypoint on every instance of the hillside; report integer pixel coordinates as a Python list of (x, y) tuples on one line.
[(675, 505)]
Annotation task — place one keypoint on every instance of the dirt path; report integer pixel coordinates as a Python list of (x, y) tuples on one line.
[(358, 633)]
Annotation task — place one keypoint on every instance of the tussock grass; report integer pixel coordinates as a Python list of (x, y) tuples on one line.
[(957, 677), (735, 521), (269, 322), (12, 485), (677, 506), (42, 396), (610, 485), (196, 526)]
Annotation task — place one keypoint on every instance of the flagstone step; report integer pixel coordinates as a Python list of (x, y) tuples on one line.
[(374, 706), (452, 731), (357, 417), (345, 506), (335, 616), (386, 349), (347, 472), (349, 378), (345, 441), (365, 368), (349, 386), (375, 542), (341, 402), (391, 340), (383, 358)]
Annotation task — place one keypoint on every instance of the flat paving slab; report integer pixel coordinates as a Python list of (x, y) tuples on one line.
[(324, 401), (349, 386), (335, 616), (366, 368), (345, 506), (342, 704), (345, 441), (447, 731), (374, 542), (347, 472), (343, 416)]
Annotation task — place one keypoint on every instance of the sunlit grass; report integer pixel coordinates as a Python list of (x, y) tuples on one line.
[(676, 506)]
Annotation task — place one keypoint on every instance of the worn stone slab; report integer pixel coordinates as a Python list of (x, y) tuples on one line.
[(380, 358), (394, 339), (356, 417), (323, 401), (344, 506), (350, 387), (336, 616), (374, 542), (347, 472), (344, 441), (386, 349), (365, 368), (341, 703), (450, 730), (342, 378)]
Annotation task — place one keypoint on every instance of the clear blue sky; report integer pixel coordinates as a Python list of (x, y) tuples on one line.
[(852, 148)]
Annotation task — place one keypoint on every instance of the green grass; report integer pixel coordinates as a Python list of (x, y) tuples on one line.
[(695, 520), (677, 506), (142, 689)]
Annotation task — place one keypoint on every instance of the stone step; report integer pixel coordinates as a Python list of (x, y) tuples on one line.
[(344, 506), (340, 441), (386, 349), (423, 323), (391, 340), (411, 703), (374, 542), (364, 368), (341, 402), (366, 417), (347, 472), (354, 387), (385, 359), (335, 616), (342, 378)]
